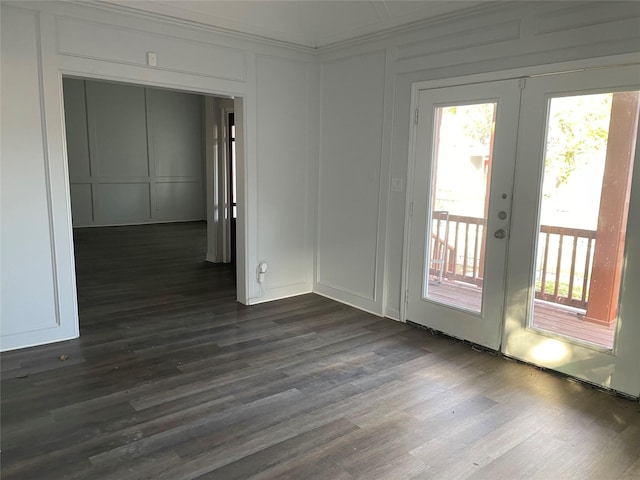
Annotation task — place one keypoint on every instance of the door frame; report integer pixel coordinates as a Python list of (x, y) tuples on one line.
[(63, 235), (511, 74), (482, 327)]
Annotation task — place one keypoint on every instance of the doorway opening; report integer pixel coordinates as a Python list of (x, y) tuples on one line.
[(140, 188)]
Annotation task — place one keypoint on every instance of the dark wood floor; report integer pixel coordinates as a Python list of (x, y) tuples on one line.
[(172, 379)]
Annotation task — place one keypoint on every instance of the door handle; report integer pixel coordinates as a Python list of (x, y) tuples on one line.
[(500, 233)]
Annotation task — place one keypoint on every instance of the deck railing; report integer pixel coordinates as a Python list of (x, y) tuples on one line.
[(463, 257), (563, 263)]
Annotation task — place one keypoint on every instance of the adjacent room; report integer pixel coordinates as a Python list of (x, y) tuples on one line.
[(320, 240), (139, 177)]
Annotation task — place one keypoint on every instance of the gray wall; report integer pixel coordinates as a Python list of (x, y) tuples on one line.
[(135, 154)]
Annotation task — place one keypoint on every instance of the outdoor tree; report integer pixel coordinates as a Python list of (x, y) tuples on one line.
[(478, 121), (577, 133)]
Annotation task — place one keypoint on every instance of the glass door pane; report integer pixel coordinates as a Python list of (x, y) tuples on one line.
[(588, 162), (463, 147)]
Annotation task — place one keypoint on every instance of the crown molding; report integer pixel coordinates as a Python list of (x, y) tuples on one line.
[(175, 21), (101, 5), (488, 7)]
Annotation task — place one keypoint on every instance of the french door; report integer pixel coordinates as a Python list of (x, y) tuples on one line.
[(463, 173), (525, 230)]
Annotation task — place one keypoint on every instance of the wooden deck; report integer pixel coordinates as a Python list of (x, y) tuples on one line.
[(551, 317)]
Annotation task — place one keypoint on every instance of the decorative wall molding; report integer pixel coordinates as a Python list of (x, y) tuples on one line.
[(157, 177), (583, 15), (460, 40), (348, 260), (128, 46), (191, 24)]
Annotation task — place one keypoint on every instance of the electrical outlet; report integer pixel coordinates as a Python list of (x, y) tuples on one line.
[(261, 271)]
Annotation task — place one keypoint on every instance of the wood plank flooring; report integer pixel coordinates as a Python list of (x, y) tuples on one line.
[(172, 379)]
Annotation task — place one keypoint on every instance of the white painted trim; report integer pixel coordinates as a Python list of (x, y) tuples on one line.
[(537, 70), (411, 162), (336, 45), (318, 209), (347, 291), (241, 275), (271, 298), (40, 45), (88, 68), (415, 26), (383, 186), (314, 117), (393, 314), (387, 156), (344, 301), (57, 180), (192, 24), (240, 78), (146, 222), (22, 340)]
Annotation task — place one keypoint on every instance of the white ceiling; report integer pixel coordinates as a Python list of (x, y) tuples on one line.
[(310, 23)]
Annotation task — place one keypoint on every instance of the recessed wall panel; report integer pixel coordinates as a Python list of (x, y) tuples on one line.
[(282, 170), (117, 129), (27, 293), (175, 121), (350, 149), (75, 116), (179, 201), (124, 203), (124, 121), (81, 204)]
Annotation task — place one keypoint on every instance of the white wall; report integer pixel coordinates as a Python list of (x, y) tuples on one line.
[(283, 129), (499, 37), (348, 260), (135, 154), (41, 42), (29, 295)]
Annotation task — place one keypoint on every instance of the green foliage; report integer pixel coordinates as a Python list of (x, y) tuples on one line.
[(577, 133), (478, 123)]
